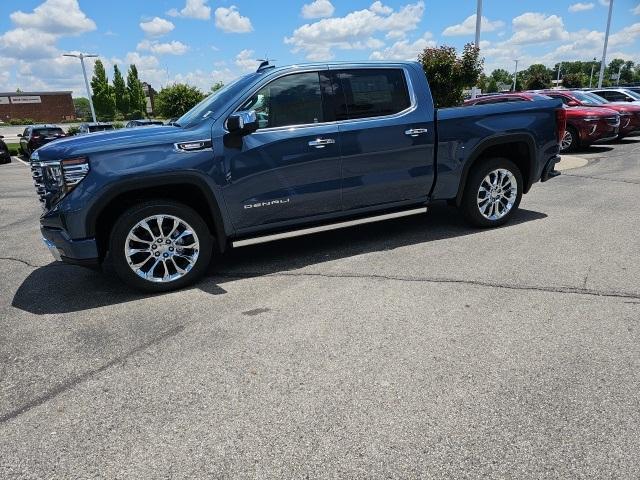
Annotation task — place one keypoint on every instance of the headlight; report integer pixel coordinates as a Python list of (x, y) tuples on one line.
[(591, 119), (74, 170)]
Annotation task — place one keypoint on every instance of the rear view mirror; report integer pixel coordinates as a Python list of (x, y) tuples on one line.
[(243, 122)]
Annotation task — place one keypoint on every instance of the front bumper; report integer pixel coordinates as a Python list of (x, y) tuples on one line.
[(76, 252)]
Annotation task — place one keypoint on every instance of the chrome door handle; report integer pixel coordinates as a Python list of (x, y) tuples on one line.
[(414, 132), (321, 142)]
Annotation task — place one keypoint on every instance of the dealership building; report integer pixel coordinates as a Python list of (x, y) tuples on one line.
[(43, 107)]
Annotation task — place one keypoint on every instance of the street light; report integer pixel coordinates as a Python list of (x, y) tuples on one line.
[(515, 76), (604, 50), (474, 90), (558, 77), (591, 76), (82, 56)]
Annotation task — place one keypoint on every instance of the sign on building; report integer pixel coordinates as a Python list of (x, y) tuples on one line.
[(26, 99)]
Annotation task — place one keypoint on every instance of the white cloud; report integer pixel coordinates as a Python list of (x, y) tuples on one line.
[(157, 27), (626, 36), (317, 9), (636, 10), (27, 44), (537, 28), (356, 30), (205, 80), (468, 27), (197, 9), (57, 17), (581, 7), (246, 61), (170, 48), (404, 50), (229, 20)]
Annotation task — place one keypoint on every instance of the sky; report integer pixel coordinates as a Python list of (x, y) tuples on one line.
[(201, 42)]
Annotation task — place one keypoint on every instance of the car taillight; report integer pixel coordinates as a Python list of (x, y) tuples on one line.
[(561, 123)]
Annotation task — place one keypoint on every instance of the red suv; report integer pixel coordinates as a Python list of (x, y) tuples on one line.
[(629, 114)]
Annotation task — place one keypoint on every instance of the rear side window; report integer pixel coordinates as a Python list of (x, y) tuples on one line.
[(45, 132), (290, 100), (612, 96), (364, 93)]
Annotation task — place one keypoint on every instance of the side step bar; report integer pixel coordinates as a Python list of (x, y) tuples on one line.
[(326, 228)]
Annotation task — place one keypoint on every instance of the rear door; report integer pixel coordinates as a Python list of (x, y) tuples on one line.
[(387, 140), (289, 169)]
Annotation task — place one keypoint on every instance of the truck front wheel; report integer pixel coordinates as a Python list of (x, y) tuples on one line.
[(492, 193), (160, 245)]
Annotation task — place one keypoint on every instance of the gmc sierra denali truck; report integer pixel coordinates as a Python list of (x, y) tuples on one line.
[(284, 152)]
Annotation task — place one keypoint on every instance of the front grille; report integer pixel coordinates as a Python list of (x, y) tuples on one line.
[(38, 181), (615, 121)]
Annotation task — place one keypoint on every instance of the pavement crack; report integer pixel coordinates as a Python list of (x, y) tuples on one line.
[(443, 280), (75, 381), (590, 177), (24, 262)]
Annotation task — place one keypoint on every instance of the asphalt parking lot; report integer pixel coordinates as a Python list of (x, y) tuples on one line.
[(417, 348)]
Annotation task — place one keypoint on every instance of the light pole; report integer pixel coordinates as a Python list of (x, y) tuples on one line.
[(474, 90), (515, 76), (618, 79), (558, 77), (82, 56), (591, 76), (604, 50)]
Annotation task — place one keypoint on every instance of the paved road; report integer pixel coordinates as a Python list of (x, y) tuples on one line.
[(417, 348)]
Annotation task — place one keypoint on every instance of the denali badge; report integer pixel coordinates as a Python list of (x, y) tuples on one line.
[(266, 204)]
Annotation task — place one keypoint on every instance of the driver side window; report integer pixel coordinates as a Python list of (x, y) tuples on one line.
[(288, 101)]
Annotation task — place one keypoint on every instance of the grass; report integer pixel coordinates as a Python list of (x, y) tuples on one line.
[(14, 148)]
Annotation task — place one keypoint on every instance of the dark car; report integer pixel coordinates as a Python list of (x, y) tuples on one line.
[(5, 156), (285, 152), (94, 127), (143, 123), (36, 136)]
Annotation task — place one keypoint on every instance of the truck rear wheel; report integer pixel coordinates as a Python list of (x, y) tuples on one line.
[(160, 245), (492, 193)]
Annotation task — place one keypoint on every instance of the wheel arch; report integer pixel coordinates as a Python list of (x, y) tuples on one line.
[(190, 189), (520, 148)]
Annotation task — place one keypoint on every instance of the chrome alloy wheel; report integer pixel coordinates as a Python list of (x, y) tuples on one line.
[(497, 194), (567, 140), (161, 248)]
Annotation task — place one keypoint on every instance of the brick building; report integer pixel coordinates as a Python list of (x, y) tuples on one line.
[(47, 107)]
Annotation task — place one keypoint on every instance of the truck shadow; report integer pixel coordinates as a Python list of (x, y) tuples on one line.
[(57, 288)]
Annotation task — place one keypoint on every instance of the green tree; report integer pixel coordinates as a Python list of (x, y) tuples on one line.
[(449, 75), (137, 100), (574, 80), (537, 77), (216, 86), (500, 75), (120, 92), (82, 108), (103, 100), (177, 99)]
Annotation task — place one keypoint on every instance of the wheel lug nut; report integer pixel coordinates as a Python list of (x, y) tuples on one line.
[(165, 255), (157, 254), (153, 247), (171, 249)]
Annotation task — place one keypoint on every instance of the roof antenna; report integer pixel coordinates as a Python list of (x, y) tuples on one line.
[(264, 63)]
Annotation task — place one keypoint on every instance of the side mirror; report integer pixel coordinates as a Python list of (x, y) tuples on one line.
[(243, 122), (573, 103)]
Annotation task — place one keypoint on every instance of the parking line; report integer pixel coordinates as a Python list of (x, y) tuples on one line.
[(20, 160)]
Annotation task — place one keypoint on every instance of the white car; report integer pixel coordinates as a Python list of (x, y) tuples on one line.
[(618, 95)]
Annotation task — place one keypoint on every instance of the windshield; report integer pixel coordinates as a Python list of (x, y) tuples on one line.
[(46, 132), (633, 94), (588, 99), (207, 107)]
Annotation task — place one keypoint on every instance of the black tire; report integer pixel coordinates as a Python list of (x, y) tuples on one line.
[(131, 217), (469, 205), (575, 140)]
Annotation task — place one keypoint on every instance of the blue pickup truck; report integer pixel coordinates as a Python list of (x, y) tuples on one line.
[(284, 152)]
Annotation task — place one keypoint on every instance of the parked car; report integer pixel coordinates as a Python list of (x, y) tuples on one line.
[(618, 95), (35, 136), (504, 98), (5, 155), (284, 152), (94, 127), (142, 123), (629, 113)]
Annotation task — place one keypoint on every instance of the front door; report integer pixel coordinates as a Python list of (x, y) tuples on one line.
[(387, 141), (290, 167)]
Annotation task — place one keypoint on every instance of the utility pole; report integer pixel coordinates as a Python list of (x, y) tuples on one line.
[(515, 76), (474, 90), (558, 77), (618, 79), (591, 76), (604, 50), (82, 56)]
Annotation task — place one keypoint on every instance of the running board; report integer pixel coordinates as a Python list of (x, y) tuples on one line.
[(326, 228)]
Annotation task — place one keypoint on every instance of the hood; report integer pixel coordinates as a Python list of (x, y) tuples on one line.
[(584, 111), (112, 140)]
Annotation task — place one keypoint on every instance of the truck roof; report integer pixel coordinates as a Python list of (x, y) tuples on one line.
[(341, 64)]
